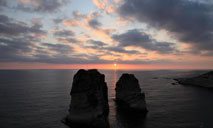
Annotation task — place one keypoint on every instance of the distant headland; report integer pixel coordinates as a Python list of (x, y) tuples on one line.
[(204, 80)]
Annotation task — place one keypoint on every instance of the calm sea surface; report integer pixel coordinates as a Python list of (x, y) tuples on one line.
[(40, 99)]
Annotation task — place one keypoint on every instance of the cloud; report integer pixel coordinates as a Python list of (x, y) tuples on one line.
[(3, 3), (89, 22), (140, 39), (132, 37), (58, 20), (61, 49), (94, 23), (103, 32), (117, 1), (24, 1), (14, 49), (46, 6), (4, 19), (106, 5), (100, 3), (110, 9), (63, 33), (188, 21), (82, 19), (68, 40), (78, 15), (24, 50), (10, 27), (97, 43), (71, 22), (121, 50), (91, 19)]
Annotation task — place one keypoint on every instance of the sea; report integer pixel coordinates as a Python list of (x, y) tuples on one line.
[(41, 98)]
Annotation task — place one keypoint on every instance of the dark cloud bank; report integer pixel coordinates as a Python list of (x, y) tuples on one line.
[(42, 6), (64, 33), (19, 43), (140, 39), (47, 6), (188, 21), (10, 27)]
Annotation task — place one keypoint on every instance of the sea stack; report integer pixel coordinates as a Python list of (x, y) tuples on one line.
[(89, 100), (129, 95), (204, 80)]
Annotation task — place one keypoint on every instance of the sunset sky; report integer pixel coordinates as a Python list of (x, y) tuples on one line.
[(134, 34)]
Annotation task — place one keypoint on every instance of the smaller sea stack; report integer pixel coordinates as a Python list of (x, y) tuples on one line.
[(129, 95), (89, 101)]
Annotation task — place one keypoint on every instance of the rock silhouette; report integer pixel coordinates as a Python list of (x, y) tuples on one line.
[(204, 80), (89, 100), (129, 95)]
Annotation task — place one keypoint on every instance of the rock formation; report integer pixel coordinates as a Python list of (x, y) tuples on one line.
[(129, 95), (204, 80), (89, 100)]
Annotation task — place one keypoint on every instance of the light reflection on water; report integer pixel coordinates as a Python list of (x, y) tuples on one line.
[(111, 93), (114, 82)]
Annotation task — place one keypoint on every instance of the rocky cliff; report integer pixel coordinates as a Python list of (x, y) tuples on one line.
[(89, 100), (129, 95)]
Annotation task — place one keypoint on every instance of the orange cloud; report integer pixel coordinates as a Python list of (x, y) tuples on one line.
[(31, 2), (41, 35), (36, 3), (103, 4), (109, 57), (117, 1), (71, 22), (100, 3), (121, 21), (104, 33), (84, 21), (24, 1), (110, 9)]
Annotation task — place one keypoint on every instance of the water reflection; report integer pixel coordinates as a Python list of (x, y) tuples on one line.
[(114, 78), (130, 119), (112, 106)]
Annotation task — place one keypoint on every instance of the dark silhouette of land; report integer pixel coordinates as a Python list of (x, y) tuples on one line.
[(204, 80), (129, 95), (89, 105)]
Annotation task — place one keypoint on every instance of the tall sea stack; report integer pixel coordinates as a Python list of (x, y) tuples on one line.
[(129, 95), (89, 100)]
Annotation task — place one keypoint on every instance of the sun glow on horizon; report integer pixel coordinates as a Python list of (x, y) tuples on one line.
[(96, 66), (115, 66)]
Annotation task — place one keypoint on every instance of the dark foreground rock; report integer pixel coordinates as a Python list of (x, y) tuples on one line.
[(89, 101), (129, 95), (204, 80)]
